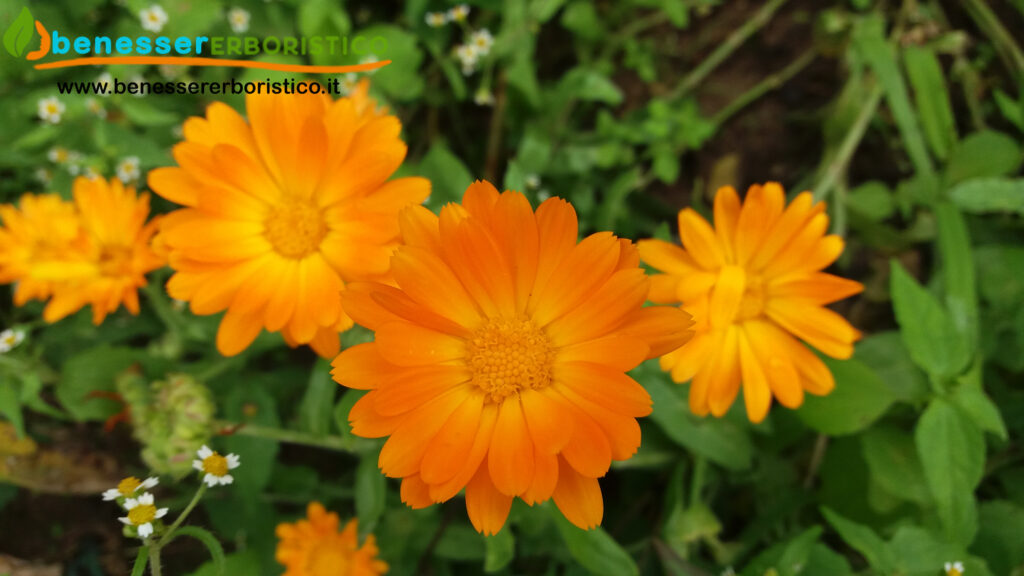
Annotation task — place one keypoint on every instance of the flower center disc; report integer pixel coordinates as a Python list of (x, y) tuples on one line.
[(752, 304), (327, 559), (142, 514), (507, 356), (295, 229), (215, 464), (128, 486)]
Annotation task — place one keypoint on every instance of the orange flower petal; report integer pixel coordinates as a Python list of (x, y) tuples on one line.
[(510, 460), (451, 448), (606, 386), (578, 497), (700, 241), (408, 344), (487, 507)]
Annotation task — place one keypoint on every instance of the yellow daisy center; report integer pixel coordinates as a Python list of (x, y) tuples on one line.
[(116, 261), (295, 229), (327, 559), (142, 514), (51, 108), (129, 485), (215, 464), (507, 356), (752, 304)]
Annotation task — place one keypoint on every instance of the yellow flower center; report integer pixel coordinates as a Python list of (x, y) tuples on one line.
[(953, 572), (507, 356), (51, 108), (295, 229), (752, 304), (128, 486), (115, 261), (142, 514), (215, 464), (327, 559)]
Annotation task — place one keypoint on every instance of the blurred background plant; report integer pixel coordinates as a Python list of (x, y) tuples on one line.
[(907, 117)]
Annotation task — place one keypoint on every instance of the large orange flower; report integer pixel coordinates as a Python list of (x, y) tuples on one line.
[(95, 252), (753, 283), (499, 358), (314, 547), (282, 210)]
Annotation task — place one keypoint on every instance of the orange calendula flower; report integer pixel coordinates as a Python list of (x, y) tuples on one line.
[(754, 286), (314, 547), (281, 211), (499, 359), (95, 252)]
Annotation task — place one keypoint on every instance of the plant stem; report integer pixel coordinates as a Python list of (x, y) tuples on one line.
[(497, 123), (770, 83), (337, 443), (849, 145), (1011, 54), (726, 48), (816, 459), (700, 467), (154, 560), (184, 514)]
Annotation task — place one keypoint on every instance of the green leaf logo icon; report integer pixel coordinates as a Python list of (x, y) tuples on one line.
[(17, 37)]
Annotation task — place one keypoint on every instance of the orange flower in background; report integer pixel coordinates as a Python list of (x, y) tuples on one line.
[(754, 286), (499, 359), (96, 251), (314, 547), (282, 211)]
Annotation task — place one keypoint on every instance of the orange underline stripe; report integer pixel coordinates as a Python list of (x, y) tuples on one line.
[(188, 61)]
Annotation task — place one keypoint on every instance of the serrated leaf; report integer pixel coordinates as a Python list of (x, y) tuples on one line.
[(887, 356), (860, 397), (985, 195), (952, 453), (928, 331)]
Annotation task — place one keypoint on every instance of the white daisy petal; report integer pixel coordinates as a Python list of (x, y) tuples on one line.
[(233, 461), (161, 513), (111, 494), (125, 520), (204, 452), (130, 503), (149, 483), (226, 479), (210, 480), (146, 499), (146, 530), (197, 464)]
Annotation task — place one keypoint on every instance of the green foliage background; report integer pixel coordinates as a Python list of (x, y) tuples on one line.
[(916, 459)]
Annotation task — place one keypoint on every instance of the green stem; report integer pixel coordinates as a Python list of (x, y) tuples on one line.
[(154, 560), (162, 307), (770, 83), (337, 443), (700, 468), (1013, 57), (726, 48), (184, 514), (849, 145)]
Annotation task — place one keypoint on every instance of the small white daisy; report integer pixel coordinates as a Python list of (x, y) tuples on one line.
[(436, 19), (371, 59), (482, 40), (483, 97), (44, 176), (153, 18), (128, 169), (458, 13), (348, 83), (93, 105), (51, 109), (73, 167), (178, 131), (9, 339), (467, 55), (543, 195), (141, 514), (954, 568), (238, 18), (58, 154), (91, 173), (215, 467), (532, 181), (128, 487), (170, 72)]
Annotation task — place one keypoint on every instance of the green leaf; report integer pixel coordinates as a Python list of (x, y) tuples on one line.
[(590, 85), (401, 80), (582, 20), (342, 408), (142, 113), (92, 371), (976, 404), (999, 542), (10, 407), (887, 356), (665, 165), (247, 562), (595, 550), (212, 546), (870, 41), (1011, 109), (19, 33), (462, 542), (720, 441), (985, 195), (863, 540), (542, 10), (500, 550), (983, 154), (371, 493), (678, 12), (448, 176), (958, 271), (785, 558), (952, 451), (860, 397), (873, 200), (250, 402), (522, 76), (928, 331), (932, 97), (318, 401), (613, 206), (892, 459)]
